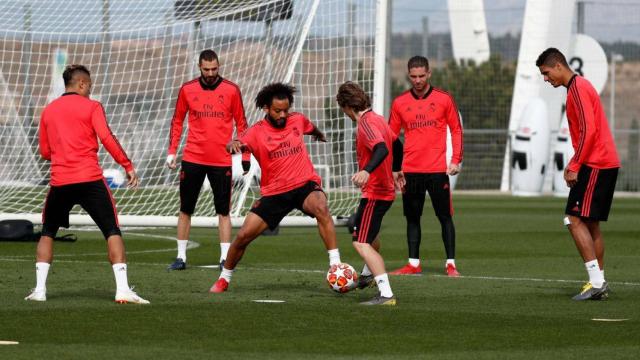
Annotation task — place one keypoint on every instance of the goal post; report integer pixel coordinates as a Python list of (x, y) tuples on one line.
[(140, 53)]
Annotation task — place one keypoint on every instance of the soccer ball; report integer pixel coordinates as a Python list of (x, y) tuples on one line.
[(342, 277)]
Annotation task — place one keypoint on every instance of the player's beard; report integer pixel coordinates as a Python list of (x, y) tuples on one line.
[(209, 80), (277, 123)]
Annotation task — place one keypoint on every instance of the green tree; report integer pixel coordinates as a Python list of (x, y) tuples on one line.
[(482, 92)]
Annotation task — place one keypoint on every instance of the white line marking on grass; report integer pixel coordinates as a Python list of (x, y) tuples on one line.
[(7, 342), (610, 320), (269, 301), (496, 278), (460, 277), (535, 279)]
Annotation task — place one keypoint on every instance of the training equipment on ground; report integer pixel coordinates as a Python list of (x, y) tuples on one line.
[(314, 45), (342, 278)]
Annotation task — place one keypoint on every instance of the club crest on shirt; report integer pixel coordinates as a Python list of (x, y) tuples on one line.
[(220, 99), (432, 107), (296, 132)]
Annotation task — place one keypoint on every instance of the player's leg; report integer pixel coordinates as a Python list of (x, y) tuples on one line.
[(578, 209), (599, 210), (252, 227), (587, 249), (367, 227), (266, 213), (412, 204), (366, 278), (598, 241), (57, 203), (96, 199), (315, 204), (191, 179), (221, 184), (440, 195)]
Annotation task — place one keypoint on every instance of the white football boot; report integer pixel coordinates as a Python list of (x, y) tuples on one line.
[(130, 297), (37, 295)]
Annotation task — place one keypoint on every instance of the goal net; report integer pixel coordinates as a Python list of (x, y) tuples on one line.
[(140, 52)]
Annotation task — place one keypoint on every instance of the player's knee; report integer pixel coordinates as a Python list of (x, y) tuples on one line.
[(412, 218), (186, 213), (320, 210), (445, 218), (359, 246)]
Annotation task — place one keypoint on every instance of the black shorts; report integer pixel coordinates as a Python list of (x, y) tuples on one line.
[(272, 209), (191, 180), (592, 195), (369, 219), (94, 197), (437, 184)]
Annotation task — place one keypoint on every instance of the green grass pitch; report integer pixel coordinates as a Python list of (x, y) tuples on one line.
[(519, 266)]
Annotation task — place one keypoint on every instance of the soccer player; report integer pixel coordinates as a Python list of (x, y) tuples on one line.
[(288, 179), (374, 140), (592, 171), (424, 113), (68, 129), (213, 103)]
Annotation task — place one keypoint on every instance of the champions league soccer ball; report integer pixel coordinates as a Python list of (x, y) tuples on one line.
[(342, 277)]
